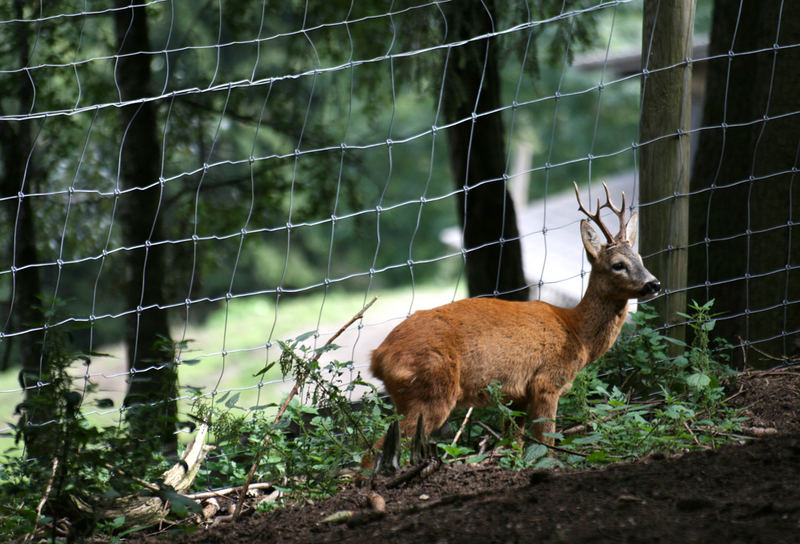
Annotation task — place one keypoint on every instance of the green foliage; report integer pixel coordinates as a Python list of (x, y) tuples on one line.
[(74, 461), (312, 442), (638, 399)]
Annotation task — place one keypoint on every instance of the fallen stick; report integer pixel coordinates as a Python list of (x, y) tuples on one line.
[(149, 510), (760, 373), (297, 385), (200, 495), (422, 470)]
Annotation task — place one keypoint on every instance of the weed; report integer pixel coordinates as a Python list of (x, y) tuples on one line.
[(77, 466), (313, 441)]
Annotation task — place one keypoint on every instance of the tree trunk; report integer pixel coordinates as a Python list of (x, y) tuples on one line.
[(664, 164), (26, 308), (151, 391), (746, 252), (478, 157)]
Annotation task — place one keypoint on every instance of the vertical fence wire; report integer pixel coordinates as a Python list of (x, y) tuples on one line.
[(304, 168)]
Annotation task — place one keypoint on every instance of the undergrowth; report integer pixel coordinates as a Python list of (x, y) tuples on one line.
[(647, 394), (312, 442), (70, 468)]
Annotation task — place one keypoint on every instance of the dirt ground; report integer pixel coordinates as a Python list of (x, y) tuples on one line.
[(739, 493)]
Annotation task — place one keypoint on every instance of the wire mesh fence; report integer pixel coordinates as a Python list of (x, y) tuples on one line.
[(184, 184)]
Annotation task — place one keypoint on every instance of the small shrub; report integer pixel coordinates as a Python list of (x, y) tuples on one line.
[(76, 461), (313, 441)]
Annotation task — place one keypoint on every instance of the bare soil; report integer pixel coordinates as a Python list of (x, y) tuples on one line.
[(745, 492)]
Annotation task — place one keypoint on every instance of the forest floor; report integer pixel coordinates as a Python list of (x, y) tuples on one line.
[(741, 492)]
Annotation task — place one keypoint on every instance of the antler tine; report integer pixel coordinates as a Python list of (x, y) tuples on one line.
[(619, 212), (595, 217)]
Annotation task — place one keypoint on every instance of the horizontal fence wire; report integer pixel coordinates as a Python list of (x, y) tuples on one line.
[(302, 166)]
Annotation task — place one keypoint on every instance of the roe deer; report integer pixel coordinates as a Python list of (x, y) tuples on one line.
[(446, 357)]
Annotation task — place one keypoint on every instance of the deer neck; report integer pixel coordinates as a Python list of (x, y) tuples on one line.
[(599, 317)]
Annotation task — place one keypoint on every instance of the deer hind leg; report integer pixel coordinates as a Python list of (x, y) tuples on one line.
[(434, 414), (431, 391)]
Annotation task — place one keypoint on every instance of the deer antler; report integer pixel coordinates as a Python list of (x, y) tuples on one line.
[(619, 212)]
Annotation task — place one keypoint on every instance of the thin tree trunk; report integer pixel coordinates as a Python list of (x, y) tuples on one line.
[(151, 390), (478, 157)]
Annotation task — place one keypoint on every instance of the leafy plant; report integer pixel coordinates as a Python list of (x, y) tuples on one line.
[(313, 441), (636, 399), (78, 466)]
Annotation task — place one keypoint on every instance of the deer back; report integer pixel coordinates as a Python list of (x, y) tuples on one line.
[(475, 342)]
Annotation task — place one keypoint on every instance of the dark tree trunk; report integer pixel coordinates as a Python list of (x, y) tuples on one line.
[(478, 157), (26, 308), (751, 196), (150, 392)]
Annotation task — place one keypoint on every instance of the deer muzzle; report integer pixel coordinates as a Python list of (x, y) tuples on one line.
[(650, 288)]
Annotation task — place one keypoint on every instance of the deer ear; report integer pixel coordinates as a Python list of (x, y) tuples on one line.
[(632, 228), (591, 241)]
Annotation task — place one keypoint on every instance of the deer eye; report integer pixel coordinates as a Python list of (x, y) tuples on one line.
[(619, 267)]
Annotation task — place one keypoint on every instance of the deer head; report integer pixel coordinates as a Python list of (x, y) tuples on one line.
[(616, 259)]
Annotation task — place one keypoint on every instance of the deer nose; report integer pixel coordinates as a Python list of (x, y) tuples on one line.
[(651, 288)]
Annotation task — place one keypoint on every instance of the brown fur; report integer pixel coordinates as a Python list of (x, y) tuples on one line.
[(445, 357)]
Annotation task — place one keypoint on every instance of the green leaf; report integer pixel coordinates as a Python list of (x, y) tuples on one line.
[(588, 439), (190, 362), (455, 451), (326, 348), (534, 452), (231, 402), (698, 380), (305, 336), (709, 325), (675, 340), (546, 462), (179, 504), (680, 361), (472, 459), (260, 407), (598, 457), (104, 403), (264, 370)]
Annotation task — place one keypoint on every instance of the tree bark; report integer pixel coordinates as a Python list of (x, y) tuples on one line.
[(26, 308), (151, 392), (664, 163), (478, 156), (747, 203)]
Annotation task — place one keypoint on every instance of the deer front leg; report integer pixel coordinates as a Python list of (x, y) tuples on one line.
[(543, 409)]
